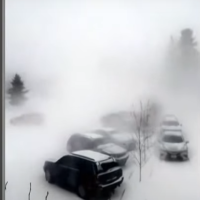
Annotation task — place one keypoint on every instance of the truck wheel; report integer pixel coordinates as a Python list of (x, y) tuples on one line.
[(49, 177)]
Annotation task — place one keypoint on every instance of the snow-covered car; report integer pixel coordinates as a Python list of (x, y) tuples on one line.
[(105, 131), (99, 143), (123, 139), (170, 122), (35, 119), (172, 144)]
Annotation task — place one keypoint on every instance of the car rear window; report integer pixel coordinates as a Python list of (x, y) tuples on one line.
[(170, 123), (106, 165)]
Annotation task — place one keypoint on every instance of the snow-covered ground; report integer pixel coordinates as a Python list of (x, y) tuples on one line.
[(26, 151), (170, 179), (28, 148)]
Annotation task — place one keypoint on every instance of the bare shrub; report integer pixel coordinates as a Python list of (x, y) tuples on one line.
[(143, 120), (30, 189)]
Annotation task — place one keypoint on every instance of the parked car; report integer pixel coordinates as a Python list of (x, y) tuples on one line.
[(172, 144), (170, 122), (35, 119), (123, 139), (86, 172), (105, 131), (99, 143)]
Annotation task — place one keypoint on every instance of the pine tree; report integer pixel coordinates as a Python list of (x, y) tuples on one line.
[(187, 39), (17, 91), (187, 46)]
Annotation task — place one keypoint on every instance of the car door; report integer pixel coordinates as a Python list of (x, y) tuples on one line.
[(63, 170), (88, 172), (73, 171)]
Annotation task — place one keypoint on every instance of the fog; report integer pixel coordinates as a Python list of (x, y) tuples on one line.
[(80, 59)]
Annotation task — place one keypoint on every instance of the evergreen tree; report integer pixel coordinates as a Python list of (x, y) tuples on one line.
[(187, 39), (17, 91), (187, 46)]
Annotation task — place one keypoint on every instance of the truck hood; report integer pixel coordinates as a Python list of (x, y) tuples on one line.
[(174, 146), (111, 149)]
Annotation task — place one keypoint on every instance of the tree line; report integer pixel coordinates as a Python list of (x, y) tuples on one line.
[(182, 52)]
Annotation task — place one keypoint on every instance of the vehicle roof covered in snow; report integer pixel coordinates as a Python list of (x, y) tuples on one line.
[(92, 135), (177, 133), (116, 148), (106, 129), (93, 155), (170, 118)]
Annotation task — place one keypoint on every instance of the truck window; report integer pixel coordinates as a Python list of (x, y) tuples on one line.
[(63, 161), (87, 166)]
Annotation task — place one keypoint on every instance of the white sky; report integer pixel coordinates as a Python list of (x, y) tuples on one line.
[(92, 56)]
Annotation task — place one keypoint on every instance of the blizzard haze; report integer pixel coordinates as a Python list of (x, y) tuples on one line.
[(82, 59), (91, 56)]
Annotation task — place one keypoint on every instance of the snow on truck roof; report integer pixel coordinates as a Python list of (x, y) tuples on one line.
[(96, 156)]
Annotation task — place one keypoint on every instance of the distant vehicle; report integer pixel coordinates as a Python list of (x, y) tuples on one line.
[(170, 122), (35, 119), (86, 172), (99, 143), (173, 145), (105, 131), (125, 140)]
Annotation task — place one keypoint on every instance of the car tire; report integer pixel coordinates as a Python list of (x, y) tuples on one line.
[(49, 177), (186, 158), (81, 192)]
